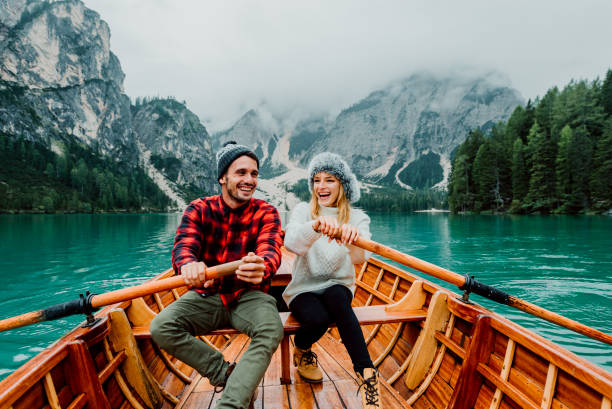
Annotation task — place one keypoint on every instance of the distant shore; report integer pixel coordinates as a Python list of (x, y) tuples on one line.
[(432, 210)]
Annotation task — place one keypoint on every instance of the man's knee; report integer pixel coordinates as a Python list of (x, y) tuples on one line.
[(160, 330), (272, 329)]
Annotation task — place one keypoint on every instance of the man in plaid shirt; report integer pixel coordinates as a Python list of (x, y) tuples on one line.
[(215, 230)]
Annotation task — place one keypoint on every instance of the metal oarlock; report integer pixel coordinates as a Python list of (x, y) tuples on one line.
[(88, 309), (467, 287)]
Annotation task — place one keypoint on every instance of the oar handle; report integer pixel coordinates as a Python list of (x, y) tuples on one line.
[(130, 293), (464, 282), (95, 301)]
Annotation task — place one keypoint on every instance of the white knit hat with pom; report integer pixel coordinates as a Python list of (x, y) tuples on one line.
[(335, 165)]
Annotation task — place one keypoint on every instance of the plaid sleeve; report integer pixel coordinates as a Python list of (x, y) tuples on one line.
[(189, 237), (269, 242)]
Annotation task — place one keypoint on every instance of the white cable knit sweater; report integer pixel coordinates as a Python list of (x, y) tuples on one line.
[(320, 264)]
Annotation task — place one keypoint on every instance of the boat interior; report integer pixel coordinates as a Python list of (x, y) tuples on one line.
[(432, 350)]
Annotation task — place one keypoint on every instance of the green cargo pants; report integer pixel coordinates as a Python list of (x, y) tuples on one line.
[(255, 314)]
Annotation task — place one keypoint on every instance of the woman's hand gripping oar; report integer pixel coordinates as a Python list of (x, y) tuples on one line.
[(87, 304)]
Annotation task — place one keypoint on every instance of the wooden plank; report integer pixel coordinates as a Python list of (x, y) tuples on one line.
[(334, 360), (80, 362), (413, 300), (50, 392), (373, 293), (139, 313), (170, 365), (300, 395), (470, 380), (450, 344), (439, 392), (435, 367), (508, 357), (125, 389), (586, 372), (390, 345), (112, 366), (390, 397), (79, 402), (523, 382), (426, 345), (326, 395), (507, 388), (136, 371), (549, 388), (375, 286), (285, 361), (349, 395), (274, 396), (606, 403), (28, 375), (573, 393), (198, 400)]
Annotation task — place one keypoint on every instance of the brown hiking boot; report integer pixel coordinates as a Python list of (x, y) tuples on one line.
[(370, 389), (307, 365)]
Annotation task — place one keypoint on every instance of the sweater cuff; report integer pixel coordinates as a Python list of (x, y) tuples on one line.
[(310, 235)]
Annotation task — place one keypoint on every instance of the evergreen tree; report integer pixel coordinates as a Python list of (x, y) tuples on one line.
[(601, 179), (564, 166), (542, 188), (502, 148), (577, 106), (519, 123), (486, 178), (606, 94), (573, 169), (461, 186), (543, 113), (520, 174)]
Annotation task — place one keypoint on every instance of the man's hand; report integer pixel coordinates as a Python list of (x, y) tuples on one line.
[(252, 271), (195, 274)]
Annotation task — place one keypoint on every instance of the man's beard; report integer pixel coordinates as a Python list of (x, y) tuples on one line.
[(233, 192)]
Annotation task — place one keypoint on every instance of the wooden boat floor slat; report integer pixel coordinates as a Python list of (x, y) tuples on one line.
[(338, 389)]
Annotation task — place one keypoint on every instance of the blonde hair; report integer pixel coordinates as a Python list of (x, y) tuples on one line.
[(342, 203)]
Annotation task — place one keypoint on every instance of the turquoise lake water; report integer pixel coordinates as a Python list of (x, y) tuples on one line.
[(562, 263)]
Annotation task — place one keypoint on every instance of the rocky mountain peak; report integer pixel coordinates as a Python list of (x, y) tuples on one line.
[(57, 44)]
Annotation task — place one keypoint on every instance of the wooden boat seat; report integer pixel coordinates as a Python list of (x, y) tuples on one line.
[(368, 315)]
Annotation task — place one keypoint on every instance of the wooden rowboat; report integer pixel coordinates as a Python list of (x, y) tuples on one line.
[(432, 350)]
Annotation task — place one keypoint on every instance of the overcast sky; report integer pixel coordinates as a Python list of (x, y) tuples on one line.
[(225, 57)]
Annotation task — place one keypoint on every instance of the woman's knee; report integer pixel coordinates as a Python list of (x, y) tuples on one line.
[(338, 292)]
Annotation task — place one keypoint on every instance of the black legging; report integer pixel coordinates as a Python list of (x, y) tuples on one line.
[(316, 312)]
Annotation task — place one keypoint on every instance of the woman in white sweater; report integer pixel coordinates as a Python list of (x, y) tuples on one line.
[(323, 277)]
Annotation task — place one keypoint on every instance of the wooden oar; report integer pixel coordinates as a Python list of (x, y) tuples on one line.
[(86, 304), (467, 283)]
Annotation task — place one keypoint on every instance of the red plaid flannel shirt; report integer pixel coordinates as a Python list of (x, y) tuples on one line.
[(212, 232)]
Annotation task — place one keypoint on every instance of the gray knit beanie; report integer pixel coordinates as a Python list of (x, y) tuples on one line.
[(229, 153), (334, 165)]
